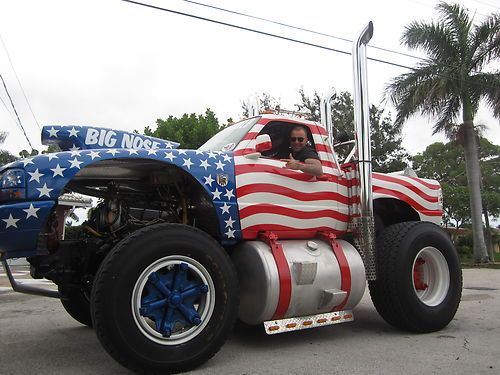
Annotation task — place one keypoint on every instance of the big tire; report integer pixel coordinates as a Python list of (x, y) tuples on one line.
[(419, 279), (77, 304), (164, 299)]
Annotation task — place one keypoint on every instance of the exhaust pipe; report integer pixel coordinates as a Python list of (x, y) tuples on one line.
[(363, 226), (325, 111), (253, 106)]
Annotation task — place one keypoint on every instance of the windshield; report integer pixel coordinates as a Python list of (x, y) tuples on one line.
[(227, 139)]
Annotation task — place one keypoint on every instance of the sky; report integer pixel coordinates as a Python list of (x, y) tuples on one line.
[(114, 64)]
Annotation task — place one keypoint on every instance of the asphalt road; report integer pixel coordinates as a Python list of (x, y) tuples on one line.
[(38, 337)]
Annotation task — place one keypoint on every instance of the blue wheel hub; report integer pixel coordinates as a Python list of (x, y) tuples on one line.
[(169, 298)]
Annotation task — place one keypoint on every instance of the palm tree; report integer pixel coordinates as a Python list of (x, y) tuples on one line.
[(449, 82)]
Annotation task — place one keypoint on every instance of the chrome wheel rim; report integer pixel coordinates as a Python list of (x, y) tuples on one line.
[(430, 276), (173, 300)]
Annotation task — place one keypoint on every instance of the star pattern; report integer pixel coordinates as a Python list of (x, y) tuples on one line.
[(205, 164), (73, 132), (58, 171), (229, 222), (22, 216), (44, 191), (229, 194), (31, 211), (47, 174), (11, 222), (187, 163), (220, 165), (93, 154), (35, 176), (75, 163), (225, 208), (208, 180), (27, 161), (216, 193), (52, 132)]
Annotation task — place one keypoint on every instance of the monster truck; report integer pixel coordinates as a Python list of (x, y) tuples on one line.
[(181, 243)]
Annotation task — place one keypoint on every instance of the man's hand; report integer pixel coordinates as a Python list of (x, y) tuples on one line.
[(291, 163), (311, 166)]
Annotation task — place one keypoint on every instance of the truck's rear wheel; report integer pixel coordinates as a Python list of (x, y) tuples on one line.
[(165, 299), (419, 280), (77, 304)]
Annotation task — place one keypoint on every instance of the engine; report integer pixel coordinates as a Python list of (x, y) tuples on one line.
[(312, 278), (113, 216)]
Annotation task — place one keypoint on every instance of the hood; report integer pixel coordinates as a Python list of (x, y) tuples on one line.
[(70, 138)]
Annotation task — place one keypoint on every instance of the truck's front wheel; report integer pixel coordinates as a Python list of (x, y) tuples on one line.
[(419, 280), (165, 299)]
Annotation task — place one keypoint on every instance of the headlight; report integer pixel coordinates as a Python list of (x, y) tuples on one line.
[(12, 185), (13, 178)]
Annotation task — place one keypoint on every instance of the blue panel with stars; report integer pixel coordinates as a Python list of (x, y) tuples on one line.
[(20, 224), (71, 138), (48, 174)]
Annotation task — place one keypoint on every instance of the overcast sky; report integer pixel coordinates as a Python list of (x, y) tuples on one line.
[(114, 64)]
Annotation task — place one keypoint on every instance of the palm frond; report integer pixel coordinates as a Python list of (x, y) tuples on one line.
[(456, 19), (447, 118), (424, 90), (485, 44), (433, 38), (487, 87)]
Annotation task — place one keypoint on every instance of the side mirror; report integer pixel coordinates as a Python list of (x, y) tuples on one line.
[(263, 143)]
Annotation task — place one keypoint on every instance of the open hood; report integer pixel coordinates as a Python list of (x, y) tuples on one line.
[(70, 137)]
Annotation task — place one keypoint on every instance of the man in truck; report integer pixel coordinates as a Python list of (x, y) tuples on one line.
[(302, 158)]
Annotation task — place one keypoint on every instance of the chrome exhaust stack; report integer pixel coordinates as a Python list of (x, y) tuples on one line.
[(363, 226), (325, 110), (253, 106)]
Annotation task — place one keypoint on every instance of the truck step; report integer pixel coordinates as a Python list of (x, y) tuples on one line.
[(273, 327)]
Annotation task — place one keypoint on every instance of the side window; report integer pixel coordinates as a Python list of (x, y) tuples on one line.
[(279, 133), (280, 137)]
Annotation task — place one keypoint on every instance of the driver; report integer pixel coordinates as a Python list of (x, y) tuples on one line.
[(302, 158)]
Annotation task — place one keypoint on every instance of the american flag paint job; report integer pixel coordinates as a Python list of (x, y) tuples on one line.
[(293, 202), (48, 174), (261, 195), (422, 194), (270, 196)]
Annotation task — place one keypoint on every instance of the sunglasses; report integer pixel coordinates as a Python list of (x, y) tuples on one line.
[(297, 139)]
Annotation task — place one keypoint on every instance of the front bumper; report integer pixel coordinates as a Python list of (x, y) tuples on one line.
[(20, 225)]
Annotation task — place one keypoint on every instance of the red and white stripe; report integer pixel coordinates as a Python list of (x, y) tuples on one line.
[(273, 198), (421, 194)]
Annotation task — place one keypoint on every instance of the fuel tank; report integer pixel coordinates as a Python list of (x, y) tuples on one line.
[(296, 278)]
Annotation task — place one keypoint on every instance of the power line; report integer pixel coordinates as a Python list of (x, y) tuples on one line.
[(8, 111), (235, 26), (19, 82), (15, 111), (486, 3), (282, 37), (299, 28), (431, 6), (315, 32)]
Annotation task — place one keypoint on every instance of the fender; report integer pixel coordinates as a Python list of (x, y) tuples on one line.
[(48, 174)]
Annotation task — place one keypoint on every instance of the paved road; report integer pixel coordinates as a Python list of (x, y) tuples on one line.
[(37, 336)]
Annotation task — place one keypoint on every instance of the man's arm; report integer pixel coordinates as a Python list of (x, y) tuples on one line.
[(312, 167)]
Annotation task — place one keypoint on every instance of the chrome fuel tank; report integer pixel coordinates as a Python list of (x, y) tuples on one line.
[(297, 278)]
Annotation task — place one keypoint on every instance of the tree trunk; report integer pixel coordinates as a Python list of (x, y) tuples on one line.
[(487, 235), (474, 184)]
